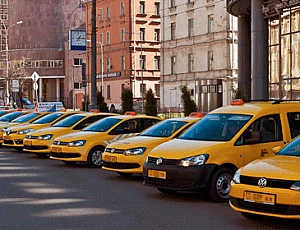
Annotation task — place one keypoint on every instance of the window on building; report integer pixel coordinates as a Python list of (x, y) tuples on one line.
[(122, 9), (143, 89), (173, 64), (142, 34), (156, 34), (142, 61), (77, 85), (77, 61), (156, 62), (190, 27), (190, 1), (172, 3), (156, 8), (108, 64), (142, 7), (107, 38), (101, 15), (210, 23), (122, 35), (101, 38), (108, 91), (157, 90), (190, 62), (122, 62), (173, 30), (107, 13), (210, 58)]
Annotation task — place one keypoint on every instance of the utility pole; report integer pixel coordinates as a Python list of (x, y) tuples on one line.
[(93, 59)]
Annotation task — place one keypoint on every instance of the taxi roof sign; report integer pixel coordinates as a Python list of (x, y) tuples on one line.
[(130, 113), (196, 114)]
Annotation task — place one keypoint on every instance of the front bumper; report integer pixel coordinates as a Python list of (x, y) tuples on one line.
[(178, 178), (65, 153), (37, 146), (13, 140)]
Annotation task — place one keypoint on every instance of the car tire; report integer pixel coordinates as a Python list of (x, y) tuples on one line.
[(95, 157), (251, 216), (166, 191), (71, 163), (220, 184), (125, 174)]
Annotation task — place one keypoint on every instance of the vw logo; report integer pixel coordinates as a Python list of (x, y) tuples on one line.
[(159, 161), (262, 182), (58, 142), (112, 150)]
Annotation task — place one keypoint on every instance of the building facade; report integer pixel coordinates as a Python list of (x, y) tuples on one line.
[(199, 50), (271, 57), (43, 41), (128, 48)]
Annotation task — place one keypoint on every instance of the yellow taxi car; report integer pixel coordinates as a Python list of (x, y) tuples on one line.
[(270, 186), (39, 141), (14, 136), (88, 145), (206, 156), (128, 156), (24, 119)]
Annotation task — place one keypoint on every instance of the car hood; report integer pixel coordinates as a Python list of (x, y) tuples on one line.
[(81, 135), (49, 130), (179, 148), (16, 128), (279, 167), (138, 141)]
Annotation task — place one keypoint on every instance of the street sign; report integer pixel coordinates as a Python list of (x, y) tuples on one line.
[(15, 85), (35, 76), (35, 86)]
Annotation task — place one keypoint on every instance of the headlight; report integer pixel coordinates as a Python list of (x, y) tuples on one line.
[(45, 137), (135, 151), (24, 131), (296, 186), (5, 129), (237, 177), (195, 160), (76, 143)]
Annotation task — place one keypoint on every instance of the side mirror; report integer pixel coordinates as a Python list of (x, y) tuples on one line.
[(276, 149)]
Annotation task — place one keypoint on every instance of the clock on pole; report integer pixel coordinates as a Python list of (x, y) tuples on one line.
[(77, 39)]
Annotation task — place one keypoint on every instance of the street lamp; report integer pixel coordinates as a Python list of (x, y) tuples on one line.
[(6, 29)]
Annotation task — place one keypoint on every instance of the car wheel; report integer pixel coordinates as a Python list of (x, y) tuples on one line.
[(220, 184), (125, 174), (95, 157), (251, 216), (70, 162), (166, 191)]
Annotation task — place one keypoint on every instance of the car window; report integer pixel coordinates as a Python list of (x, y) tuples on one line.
[(147, 122), (25, 118), (292, 149), (48, 118), (88, 121), (103, 125), (164, 129), (129, 126), (294, 123), (263, 130), (10, 116), (216, 127), (69, 121)]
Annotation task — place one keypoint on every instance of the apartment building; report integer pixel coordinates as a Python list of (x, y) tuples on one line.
[(128, 48), (199, 50)]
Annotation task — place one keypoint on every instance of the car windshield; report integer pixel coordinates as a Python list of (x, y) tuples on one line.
[(103, 125), (216, 127), (292, 149), (164, 129), (48, 118), (10, 116), (69, 121), (25, 118)]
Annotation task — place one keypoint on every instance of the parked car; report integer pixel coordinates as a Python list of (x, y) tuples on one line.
[(206, 156), (88, 145), (39, 141), (270, 186), (14, 136), (128, 156)]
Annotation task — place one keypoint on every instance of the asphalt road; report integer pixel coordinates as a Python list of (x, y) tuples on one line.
[(44, 194)]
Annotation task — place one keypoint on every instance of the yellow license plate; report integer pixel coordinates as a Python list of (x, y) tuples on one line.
[(157, 174), (110, 158), (56, 149), (7, 137), (261, 198), (27, 142)]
